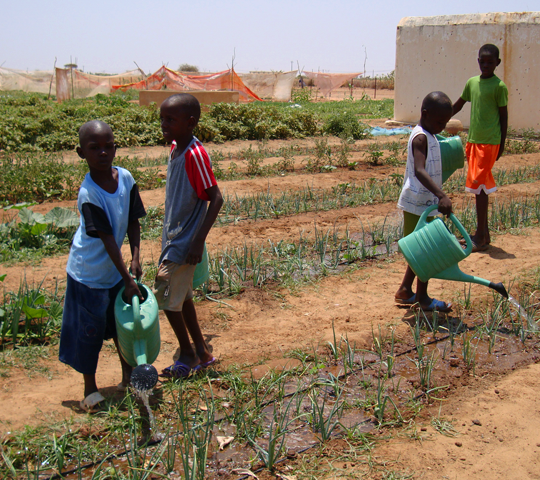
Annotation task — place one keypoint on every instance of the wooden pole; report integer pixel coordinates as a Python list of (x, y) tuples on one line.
[(140, 69), (52, 76)]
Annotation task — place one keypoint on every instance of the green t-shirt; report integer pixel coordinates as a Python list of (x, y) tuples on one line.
[(486, 96)]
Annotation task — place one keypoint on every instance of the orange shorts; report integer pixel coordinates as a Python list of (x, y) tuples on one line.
[(481, 158)]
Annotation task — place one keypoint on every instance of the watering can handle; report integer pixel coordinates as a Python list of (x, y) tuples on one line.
[(423, 220), (136, 312)]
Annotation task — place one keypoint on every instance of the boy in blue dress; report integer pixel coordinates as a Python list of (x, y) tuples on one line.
[(110, 206)]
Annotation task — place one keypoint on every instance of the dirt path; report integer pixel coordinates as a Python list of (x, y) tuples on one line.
[(497, 420)]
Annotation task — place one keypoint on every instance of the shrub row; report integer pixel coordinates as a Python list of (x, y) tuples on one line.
[(31, 123), (31, 177)]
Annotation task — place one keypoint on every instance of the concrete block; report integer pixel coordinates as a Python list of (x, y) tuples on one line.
[(440, 53)]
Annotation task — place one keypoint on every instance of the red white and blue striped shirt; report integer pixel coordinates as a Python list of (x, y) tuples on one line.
[(189, 175)]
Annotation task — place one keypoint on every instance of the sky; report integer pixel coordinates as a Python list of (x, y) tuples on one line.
[(318, 35)]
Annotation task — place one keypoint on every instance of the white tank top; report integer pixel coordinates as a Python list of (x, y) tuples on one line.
[(415, 198)]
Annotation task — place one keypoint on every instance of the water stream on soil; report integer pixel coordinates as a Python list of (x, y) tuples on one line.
[(520, 309), (144, 395)]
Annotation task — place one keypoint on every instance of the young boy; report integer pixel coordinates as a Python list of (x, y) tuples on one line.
[(422, 187), (110, 206), (487, 134), (188, 218)]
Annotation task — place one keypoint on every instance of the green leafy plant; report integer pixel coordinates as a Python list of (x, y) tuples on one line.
[(45, 234), (29, 316), (346, 124), (374, 154)]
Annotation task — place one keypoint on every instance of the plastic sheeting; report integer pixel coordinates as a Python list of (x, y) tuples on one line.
[(273, 85), (62, 85), (326, 82), (165, 78), (84, 84), (88, 85), (379, 131), (37, 81)]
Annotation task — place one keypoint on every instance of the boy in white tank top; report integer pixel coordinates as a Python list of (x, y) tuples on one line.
[(422, 187)]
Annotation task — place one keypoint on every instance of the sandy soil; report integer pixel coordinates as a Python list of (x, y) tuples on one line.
[(260, 326)]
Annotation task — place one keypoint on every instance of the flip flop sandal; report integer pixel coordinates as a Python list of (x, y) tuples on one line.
[(438, 305), (475, 246), (408, 301), (204, 365), (479, 248), (178, 370), (92, 403)]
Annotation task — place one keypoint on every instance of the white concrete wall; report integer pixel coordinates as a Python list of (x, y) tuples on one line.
[(440, 53)]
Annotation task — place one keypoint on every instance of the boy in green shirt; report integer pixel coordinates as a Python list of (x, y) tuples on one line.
[(487, 134)]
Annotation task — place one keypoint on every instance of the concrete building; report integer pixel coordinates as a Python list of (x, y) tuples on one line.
[(440, 53)]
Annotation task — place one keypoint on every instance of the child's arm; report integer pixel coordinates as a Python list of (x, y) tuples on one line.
[(503, 119), (458, 106), (419, 147), (134, 237), (197, 246), (116, 256)]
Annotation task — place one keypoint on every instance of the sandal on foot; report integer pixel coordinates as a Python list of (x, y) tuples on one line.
[(475, 246), (92, 403), (178, 370), (479, 248), (204, 365), (438, 305), (408, 301)]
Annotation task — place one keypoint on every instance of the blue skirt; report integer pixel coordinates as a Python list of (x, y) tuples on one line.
[(88, 319)]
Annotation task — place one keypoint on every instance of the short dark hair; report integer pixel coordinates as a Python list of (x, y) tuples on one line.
[(436, 101), (91, 127), (187, 103), (489, 49)]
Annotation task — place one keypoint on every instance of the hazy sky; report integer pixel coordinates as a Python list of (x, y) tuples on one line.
[(108, 35)]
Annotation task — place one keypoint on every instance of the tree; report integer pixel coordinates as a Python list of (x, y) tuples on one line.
[(186, 67)]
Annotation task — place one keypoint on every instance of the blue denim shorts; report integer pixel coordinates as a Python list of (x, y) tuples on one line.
[(88, 319)]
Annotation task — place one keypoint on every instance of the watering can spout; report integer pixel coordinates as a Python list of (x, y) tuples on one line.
[(499, 288), (455, 274)]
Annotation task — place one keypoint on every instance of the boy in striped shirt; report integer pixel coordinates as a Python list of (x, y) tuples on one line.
[(192, 204)]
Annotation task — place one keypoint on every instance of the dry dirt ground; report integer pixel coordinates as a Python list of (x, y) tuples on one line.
[(262, 325)]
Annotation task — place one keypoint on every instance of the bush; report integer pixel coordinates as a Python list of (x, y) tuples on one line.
[(186, 67), (346, 125), (226, 121), (31, 123)]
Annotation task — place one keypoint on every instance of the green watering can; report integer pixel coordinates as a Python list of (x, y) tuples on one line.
[(137, 328), (433, 252), (201, 274), (452, 155)]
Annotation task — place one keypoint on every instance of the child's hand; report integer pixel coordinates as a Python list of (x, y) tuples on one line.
[(135, 269), (131, 289), (195, 253), (445, 206)]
